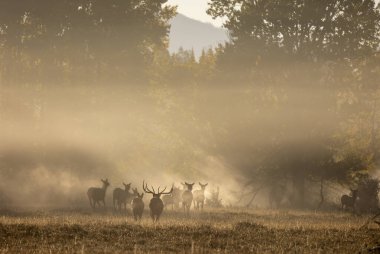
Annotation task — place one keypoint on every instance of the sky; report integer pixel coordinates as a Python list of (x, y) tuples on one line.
[(195, 9)]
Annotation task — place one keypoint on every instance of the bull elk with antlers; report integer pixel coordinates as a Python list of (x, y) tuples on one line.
[(156, 205)]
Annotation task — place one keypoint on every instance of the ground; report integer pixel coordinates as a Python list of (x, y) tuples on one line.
[(211, 231)]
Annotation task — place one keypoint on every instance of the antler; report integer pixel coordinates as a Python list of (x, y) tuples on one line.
[(169, 192), (146, 189)]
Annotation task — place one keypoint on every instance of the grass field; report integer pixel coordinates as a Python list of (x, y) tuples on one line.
[(212, 231)]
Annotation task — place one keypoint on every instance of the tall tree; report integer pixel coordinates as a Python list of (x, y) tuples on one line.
[(88, 38), (275, 30)]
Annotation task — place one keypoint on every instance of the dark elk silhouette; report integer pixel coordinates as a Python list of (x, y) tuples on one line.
[(349, 201), (156, 205), (138, 205), (199, 196), (122, 197), (187, 197), (173, 199), (95, 195)]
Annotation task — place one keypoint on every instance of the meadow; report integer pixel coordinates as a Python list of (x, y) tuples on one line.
[(210, 231)]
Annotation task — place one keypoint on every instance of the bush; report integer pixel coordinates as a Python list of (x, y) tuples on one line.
[(368, 191)]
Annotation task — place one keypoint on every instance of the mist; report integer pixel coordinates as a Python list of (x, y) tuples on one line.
[(271, 116), (52, 152)]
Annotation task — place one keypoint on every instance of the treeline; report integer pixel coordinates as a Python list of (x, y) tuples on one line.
[(291, 101), (63, 42)]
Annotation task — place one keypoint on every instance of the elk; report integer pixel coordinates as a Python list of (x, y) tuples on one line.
[(135, 192), (138, 205), (172, 199), (349, 201), (120, 197), (95, 195), (187, 197), (156, 205), (199, 196)]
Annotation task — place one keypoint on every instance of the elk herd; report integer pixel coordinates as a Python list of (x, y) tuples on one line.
[(122, 197)]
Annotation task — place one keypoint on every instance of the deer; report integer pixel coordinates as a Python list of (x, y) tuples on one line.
[(199, 196), (135, 192), (187, 197), (156, 205), (349, 201), (95, 195), (172, 199), (137, 205), (120, 197)]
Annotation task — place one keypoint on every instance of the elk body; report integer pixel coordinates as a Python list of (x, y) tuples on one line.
[(156, 205), (138, 206), (121, 197), (349, 201), (187, 197), (95, 195), (199, 196), (172, 199)]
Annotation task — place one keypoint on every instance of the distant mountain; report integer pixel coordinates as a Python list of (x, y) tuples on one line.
[(193, 34)]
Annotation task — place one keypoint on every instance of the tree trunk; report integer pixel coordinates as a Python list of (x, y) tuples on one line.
[(321, 202)]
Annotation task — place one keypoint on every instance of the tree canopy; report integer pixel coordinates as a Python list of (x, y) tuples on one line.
[(275, 30), (79, 40)]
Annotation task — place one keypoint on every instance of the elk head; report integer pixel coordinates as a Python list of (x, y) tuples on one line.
[(354, 193), (203, 186), (135, 192), (188, 185), (158, 194), (127, 186), (105, 183)]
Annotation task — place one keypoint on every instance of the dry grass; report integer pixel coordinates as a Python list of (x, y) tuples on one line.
[(227, 231)]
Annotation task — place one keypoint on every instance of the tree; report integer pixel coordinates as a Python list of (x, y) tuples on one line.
[(85, 40), (268, 31)]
